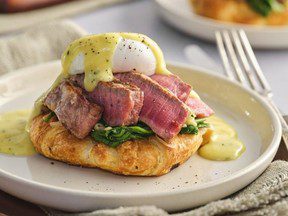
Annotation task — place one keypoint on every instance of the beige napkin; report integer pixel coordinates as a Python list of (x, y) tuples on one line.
[(39, 44), (268, 195)]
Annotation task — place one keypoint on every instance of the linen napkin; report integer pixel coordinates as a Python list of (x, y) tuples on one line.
[(267, 195), (39, 44)]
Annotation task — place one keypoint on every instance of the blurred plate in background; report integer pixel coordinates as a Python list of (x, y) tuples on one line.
[(179, 14)]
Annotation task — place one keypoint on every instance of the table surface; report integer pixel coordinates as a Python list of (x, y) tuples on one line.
[(141, 16)]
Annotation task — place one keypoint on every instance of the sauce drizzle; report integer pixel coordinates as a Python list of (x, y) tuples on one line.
[(224, 143)]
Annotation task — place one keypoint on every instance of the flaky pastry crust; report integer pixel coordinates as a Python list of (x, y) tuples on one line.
[(147, 157)]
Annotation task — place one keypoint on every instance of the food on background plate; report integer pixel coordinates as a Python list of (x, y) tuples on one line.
[(255, 12), (12, 6), (117, 107)]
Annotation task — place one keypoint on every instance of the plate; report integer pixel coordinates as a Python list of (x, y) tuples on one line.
[(198, 181), (179, 14)]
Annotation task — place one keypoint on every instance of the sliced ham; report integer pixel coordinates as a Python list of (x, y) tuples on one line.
[(174, 84), (162, 111), (73, 110), (121, 102)]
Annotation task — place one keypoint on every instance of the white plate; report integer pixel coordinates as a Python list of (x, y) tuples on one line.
[(196, 182), (179, 13)]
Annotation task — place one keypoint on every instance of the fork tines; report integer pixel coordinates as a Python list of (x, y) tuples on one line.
[(240, 62)]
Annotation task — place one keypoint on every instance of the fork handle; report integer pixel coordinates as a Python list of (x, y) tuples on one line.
[(283, 122)]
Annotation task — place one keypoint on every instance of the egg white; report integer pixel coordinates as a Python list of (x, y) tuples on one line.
[(129, 55), (77, 66), (132, 55)]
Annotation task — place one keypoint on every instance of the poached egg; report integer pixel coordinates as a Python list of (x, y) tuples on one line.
[(99, 56), (128, 55)]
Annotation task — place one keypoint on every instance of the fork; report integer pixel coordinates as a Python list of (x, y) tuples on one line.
[(240, 64)]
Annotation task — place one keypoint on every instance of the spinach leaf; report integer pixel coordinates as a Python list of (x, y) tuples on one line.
[(265, 7), (48, 118), (201, 123), (189, 129), (114, 136), (193, 129)]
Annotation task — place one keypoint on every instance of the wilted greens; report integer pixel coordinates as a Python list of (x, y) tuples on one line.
[(265, 7), (114, 136), (193, 129), (48, 118)]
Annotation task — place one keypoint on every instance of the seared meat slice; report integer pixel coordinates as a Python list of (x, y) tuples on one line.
[(200, 109), (121, 102), (162, 111), (73, 110), (174, 84), (182, 91)]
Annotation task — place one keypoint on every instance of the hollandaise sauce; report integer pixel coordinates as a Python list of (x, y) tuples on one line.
[(224, 143), (14, 139), (97, 52)]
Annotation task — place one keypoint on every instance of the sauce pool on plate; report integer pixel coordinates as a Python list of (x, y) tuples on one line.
[(14, 139), (223, 144)]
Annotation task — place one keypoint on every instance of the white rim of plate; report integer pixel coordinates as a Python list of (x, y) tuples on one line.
[(272, 148), (219, 24)]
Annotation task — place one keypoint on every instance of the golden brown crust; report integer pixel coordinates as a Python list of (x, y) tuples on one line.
[(237, 11), (147, 157)]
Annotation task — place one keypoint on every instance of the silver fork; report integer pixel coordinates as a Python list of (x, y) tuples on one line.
[(240, 64)]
